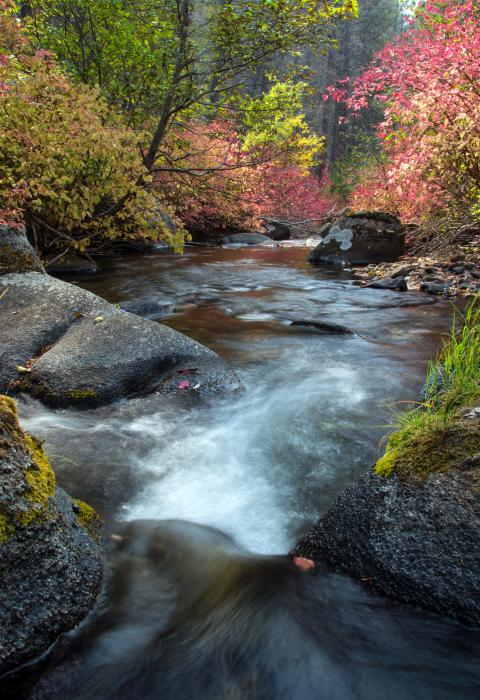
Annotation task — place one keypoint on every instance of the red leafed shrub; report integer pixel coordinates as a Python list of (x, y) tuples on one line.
[(429, 83), (214, 184)]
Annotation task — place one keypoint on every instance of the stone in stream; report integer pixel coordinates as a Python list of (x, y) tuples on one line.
[(16, 253), (435, 287), (147, 308), (322, 326), (395, 284), (71, 264), (361, 239), (415, 540), (67, 346), (277, 230), (50, 567), (244, 239)]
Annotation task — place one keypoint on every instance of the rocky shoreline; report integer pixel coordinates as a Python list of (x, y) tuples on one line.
[(454, 275)]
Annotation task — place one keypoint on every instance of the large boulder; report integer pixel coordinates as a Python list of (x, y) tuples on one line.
[(16, 253), (244, 239), (277, 230), (67, 346), (50, 567), (416, 540), (361, 239)]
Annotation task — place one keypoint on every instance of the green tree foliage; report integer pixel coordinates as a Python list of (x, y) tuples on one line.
[(166, 62)]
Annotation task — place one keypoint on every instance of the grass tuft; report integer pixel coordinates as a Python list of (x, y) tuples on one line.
[(452, 385)]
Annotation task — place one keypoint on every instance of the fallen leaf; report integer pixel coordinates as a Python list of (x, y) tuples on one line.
[(23, 370), (303, 563), (78, 314), (99, 319)]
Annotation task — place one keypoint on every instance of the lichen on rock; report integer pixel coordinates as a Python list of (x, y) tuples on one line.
[(50, 568)]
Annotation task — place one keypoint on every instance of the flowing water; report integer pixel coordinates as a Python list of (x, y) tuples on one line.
[(202, 601)]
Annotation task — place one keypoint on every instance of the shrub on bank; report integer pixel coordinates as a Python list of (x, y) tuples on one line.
[(69, 168)]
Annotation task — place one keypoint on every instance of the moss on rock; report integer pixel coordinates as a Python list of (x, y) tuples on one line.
[(29, 480), (82, 394), (87, 517), (415, 456)]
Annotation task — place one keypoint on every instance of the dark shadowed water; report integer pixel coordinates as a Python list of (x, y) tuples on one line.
[(195, 612)]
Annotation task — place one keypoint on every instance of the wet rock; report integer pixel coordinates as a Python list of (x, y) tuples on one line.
[(415, 542), (322, 326), (86, 351), (16, 253), (402, 271), (360, 239), (50, 568), (71, 264), (396, 284), (147, 308), (277, 230), (243, 239), (435, 287)]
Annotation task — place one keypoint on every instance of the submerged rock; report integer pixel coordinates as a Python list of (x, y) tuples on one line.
[(16, 253), (147, 308), (73, 348), (322, 327), (50, 568), (361, 239), (71, 264), (246, 238), (413, 538)]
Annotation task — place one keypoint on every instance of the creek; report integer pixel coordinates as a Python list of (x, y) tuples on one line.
[(202, 601)]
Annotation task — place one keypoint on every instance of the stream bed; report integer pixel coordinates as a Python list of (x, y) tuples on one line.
[(202, 601)]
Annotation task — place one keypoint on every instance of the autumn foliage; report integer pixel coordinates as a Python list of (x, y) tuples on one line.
[(429, 84), (221, 185), (66, 158)]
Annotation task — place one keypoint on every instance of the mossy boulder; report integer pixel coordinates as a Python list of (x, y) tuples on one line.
[(16, 253), (50, 568), (410, 528)]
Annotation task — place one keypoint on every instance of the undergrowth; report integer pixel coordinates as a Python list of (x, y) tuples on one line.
[(435, 424)]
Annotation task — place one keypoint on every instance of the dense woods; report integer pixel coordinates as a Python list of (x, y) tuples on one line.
[(151, 119)]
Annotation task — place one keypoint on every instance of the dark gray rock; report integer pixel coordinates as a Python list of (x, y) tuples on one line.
[(277, 231), (50, 568), (435, 287), (243, 239), (417, 542), (147, 308), (88, 352), (403, 271), (396, 284), (322, 327), (361, 239), (71, 264), (16, 253)]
